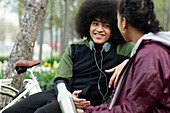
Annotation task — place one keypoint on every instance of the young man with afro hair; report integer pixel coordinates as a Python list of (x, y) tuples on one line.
[(102, 47)]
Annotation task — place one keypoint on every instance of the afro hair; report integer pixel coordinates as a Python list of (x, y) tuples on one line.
[(106, 10)]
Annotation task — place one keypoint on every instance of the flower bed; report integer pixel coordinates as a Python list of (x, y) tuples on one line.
[(44, 72)]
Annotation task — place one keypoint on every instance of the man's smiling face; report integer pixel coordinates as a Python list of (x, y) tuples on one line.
[(99, 31)]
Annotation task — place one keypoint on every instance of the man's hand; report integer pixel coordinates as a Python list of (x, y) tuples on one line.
[(117, 70), (79, 103)]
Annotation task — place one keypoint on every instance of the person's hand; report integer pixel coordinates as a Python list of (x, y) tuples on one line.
[(117, 70), (80, 111), (79, 103)]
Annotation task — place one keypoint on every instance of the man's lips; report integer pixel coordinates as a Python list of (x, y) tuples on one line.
[(99, 35)]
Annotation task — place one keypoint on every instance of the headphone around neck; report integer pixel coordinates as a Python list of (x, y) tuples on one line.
[(106, 46)]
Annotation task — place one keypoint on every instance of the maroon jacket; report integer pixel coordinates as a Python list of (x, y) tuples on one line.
[(146, 85)]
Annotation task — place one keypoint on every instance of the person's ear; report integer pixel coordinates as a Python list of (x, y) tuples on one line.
[(124, 24)]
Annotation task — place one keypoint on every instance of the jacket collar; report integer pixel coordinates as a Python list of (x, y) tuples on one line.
[(162, 36)]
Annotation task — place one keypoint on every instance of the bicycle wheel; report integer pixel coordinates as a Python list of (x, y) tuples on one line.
[(7, 94)]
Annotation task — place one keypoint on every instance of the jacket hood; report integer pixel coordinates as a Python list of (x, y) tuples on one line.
[(162, 36)]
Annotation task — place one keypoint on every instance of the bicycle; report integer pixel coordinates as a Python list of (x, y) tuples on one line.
[(31, 87)]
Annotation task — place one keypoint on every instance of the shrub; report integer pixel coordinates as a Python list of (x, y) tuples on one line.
[(2, 59), (45, 74), (52, 60)]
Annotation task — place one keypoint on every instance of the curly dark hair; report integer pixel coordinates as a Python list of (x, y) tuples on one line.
[(106, 10), (140, 14)]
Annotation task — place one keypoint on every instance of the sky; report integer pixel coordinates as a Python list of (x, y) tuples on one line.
[(7, 14)]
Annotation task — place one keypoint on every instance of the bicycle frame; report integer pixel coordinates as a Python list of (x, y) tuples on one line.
[(35, 88), (32, 87)]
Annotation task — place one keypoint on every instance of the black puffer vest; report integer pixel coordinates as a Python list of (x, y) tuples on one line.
[(89, 76)]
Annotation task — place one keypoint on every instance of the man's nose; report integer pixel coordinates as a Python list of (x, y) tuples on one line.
[(100, 28)]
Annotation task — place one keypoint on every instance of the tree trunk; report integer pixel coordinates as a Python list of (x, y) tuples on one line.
[(166, 15), (51, 26), (19, 12), (51, 30), (56, 39), (41, 39), (25, 40), (64, 41)]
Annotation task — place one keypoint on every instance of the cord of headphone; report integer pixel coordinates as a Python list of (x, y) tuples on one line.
[(101, 72)]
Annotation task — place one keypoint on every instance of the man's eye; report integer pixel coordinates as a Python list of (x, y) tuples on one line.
[(107, 26), (95, 23)]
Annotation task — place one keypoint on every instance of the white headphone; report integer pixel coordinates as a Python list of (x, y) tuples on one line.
[(106, 47)]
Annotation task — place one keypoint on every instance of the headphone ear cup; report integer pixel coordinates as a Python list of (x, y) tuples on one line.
[(106, 46), (91, 44)]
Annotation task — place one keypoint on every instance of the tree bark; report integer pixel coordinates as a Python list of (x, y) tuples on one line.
[(25, 40)]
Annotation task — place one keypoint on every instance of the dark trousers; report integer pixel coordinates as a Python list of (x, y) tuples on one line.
[(43, 102)]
